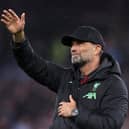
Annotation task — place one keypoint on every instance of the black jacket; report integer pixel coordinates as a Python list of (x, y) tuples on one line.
[(102, 101)]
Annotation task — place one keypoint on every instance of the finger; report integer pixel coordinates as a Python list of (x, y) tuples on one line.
[(71, 98), (5, 17), (23, 17), (7, 13), (59, 108), (4, 21), (61, 113), (13, 13), (61, 103)]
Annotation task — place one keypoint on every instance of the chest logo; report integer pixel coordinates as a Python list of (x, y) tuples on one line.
[(95, 86), (92, 93)]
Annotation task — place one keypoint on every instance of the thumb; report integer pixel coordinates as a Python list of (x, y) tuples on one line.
[(23, 17), (71, 98)]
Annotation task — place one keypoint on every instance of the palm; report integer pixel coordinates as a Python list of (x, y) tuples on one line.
[(12, 22), (15, 26)]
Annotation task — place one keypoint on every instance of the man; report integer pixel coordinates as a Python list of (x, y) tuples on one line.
[(91, 94)]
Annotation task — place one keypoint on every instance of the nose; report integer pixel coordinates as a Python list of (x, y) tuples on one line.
[(74, 47)]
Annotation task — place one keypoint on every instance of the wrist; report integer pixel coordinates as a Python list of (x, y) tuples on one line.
[(19, 37), (74, 112)]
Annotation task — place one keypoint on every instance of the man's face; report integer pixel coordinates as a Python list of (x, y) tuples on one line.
[(82, 52)]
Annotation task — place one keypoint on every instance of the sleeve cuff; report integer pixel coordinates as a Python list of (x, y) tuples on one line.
[(82, 117), (16, 45)]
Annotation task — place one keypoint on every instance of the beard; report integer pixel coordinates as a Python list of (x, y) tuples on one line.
[(78, 61), (83, 58)]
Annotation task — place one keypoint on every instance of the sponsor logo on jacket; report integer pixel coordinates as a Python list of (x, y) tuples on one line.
[(92, 94)]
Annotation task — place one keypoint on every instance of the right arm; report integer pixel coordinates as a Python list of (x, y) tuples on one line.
[(42, 71)]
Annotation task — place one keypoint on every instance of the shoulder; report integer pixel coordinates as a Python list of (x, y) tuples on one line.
[(117, 85)]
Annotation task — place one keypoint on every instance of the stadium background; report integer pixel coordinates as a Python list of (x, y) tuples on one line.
[(25, 104)]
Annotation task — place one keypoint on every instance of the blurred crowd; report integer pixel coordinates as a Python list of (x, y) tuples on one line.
[(25, 104)]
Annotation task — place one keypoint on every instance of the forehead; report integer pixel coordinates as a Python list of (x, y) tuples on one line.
[(84, 43)]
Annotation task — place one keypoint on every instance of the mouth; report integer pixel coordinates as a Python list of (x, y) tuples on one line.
[(75, 58), (75, 54)]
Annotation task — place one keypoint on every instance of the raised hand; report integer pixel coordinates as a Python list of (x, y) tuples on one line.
[(12, 22)]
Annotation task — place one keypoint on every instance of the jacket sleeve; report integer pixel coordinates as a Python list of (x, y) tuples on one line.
[(112, 112), (36, 67)]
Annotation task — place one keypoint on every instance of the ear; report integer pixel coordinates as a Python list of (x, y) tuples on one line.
[(98, 49)]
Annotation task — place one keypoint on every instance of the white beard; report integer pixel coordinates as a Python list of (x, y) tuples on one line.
[(76, 59)]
